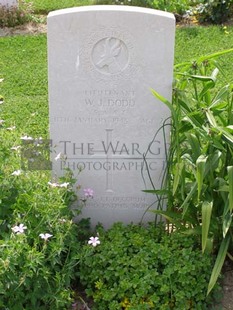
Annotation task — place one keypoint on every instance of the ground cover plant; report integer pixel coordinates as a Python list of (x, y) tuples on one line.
[(39, 243), (138, 268)]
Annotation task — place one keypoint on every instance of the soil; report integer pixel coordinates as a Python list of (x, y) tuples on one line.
[(227, 287), (227, 281), (27, 29)]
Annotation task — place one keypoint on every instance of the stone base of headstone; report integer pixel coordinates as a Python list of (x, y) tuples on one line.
[(8, 3)]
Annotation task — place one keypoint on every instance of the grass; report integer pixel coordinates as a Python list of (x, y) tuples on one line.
[(23, 65), (193, 42), (24, 69), (45, 6), (23, 62)]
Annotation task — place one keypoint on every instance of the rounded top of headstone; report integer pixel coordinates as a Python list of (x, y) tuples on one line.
[(112, 8)]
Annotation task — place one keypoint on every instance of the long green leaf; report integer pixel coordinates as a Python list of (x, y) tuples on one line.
[(164, 100), (192, 193), (201, 59), (195, 146), (201, 78), (172, 217), (219, 263), (227, 136), (227, 219), (206, 212), (176, 218), (201, 165), (230, 180), (220, 96), (211, 118), (177, 176)]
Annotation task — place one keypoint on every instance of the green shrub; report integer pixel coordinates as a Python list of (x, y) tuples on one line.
[(214, 11), (177, 6), (145, 268), (15, 15), (142, 3), (200, 169), (36, 270), (39, 243)]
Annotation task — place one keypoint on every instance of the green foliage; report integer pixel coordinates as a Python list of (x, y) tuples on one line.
[(177, 6), (214, 11), (200, 170), (35, 273), (140, 3), (145, 268)]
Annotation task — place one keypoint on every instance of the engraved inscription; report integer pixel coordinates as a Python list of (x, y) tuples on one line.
[(117, 202), (110, 56)]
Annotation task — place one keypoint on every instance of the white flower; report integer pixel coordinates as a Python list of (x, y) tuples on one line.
[(88, 192), (19, 229), (1, 121), (11, 128), (94, 241), (26, 138), (53, 184), (58, 156), (45, 236), (64, 184), (16, 172), (62, 220), (15, 148)]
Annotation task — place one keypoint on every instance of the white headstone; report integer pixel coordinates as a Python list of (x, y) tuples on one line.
[(8, 3), (103, 60)]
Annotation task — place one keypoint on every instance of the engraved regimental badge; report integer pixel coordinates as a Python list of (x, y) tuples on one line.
[(110, 56)]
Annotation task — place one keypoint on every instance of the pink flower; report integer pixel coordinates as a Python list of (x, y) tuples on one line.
[(94, 241), (88, 192)]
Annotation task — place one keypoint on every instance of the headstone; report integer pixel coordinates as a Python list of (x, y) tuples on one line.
[(8, 3), (103, 61)]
